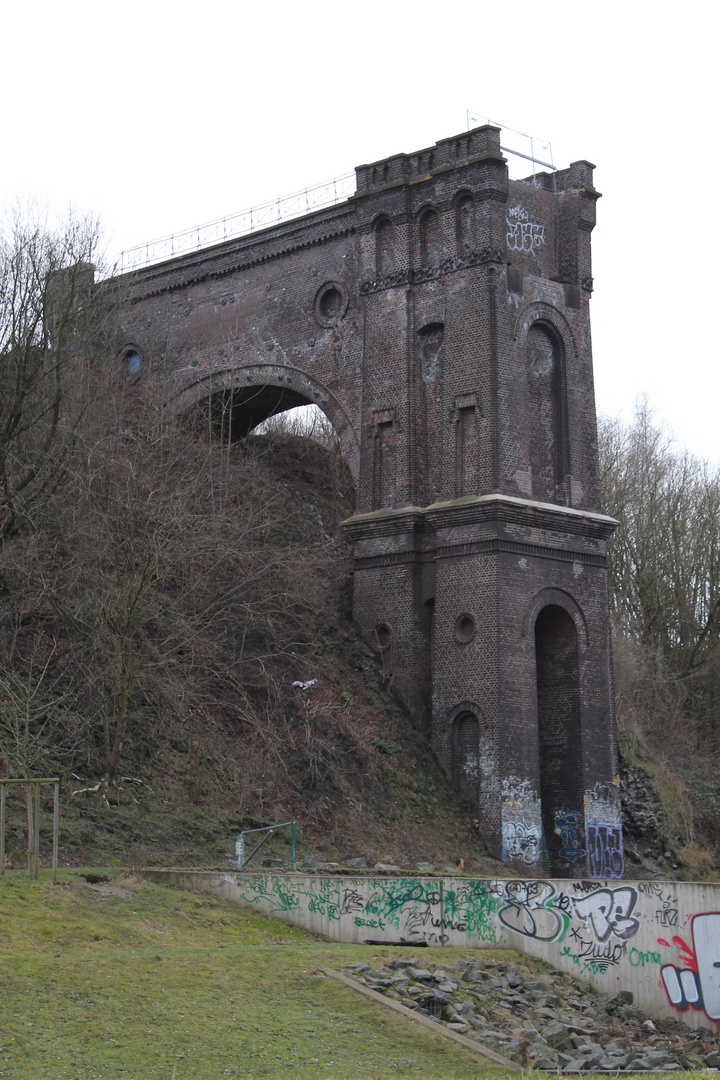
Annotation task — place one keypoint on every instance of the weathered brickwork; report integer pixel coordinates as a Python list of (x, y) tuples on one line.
[(440, 318)]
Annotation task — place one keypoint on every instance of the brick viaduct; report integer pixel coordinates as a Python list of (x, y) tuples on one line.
[(440, 318)]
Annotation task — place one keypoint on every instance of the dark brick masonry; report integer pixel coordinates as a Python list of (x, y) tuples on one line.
[(440, 318)]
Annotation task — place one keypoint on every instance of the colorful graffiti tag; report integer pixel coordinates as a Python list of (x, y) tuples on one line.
[(604, 931), (696, 985)]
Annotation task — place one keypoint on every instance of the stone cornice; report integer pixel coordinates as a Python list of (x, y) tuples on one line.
[(384, 523), (473, 510), (516, 511)]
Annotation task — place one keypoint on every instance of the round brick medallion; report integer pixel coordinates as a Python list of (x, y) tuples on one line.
[(465, 628), (331, 301)]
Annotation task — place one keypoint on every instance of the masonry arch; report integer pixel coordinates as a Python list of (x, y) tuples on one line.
[(244, 397), (384, 246), (472, 756), (557, 663), (546, 346), (429, 236), (463, 214), (562, 599)]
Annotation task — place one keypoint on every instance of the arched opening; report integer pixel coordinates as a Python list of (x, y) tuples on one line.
[(231, 414), (466, 757), (429, 238), (544, 358), (560, 740), (384, 248), (266, 418), (430, 363), (463, 222)]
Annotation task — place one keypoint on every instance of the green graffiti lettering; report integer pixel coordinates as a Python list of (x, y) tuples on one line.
[(640, 959)]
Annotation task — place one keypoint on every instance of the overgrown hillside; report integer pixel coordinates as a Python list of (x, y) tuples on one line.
[(192, 594)]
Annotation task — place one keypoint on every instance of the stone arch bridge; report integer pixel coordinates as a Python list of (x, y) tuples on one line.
[(440, 318)]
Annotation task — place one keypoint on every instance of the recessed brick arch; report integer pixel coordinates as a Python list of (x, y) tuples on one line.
[(294, 387), (562, 599), (540, 311), (560, 736)]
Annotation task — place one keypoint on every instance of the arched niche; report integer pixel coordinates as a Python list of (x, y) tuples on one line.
[(473, 765), (562, 599), (244, 397), (546, 351), (384, 247), (547, 412), (464, 222), (430, 241)]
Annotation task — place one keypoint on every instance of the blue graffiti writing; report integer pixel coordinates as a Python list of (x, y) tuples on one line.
[(568, 826), (604, 849)]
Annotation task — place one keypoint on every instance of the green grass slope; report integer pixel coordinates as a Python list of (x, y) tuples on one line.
[(125, 979)]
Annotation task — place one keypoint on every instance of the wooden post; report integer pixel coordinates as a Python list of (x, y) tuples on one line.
[(30, 827), (36, 853), (56, 823), (2, 828)]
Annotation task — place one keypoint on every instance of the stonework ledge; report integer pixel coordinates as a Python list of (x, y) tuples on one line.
[(473, 507)]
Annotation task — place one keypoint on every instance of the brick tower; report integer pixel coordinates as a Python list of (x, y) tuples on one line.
[(480, 573)]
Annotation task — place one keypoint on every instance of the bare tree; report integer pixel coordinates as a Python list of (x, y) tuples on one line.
[(664, 561), (46, 277)]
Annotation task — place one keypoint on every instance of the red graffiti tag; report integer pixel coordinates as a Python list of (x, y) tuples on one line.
[(687, 953)]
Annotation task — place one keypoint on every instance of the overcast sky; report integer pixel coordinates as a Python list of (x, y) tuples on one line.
[(158, 116)]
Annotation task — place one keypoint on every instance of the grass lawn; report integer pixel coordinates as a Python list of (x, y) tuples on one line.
[(128, 979)]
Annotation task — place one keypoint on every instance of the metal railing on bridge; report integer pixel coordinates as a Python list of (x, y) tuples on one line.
[(244, 222)]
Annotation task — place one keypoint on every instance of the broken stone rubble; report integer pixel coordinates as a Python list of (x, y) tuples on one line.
[(542, 1020)]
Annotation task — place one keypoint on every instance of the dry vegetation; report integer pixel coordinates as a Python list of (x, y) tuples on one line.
[(161, 589), (665, 600)]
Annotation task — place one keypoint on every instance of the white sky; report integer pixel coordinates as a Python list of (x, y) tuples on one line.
[(157, 116)]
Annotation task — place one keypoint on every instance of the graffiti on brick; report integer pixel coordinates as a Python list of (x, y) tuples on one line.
[(521, 842), (568, 826), (471, 767), (521, 822), (696, 985), (523, 234), (604, 850)]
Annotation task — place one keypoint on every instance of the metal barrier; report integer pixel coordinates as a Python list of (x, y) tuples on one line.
[(268, 830), (286, 207), (34, 860)]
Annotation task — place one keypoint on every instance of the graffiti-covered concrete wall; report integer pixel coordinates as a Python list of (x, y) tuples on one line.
[(660, 940)]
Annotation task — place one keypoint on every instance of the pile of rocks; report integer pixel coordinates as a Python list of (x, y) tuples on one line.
[(542, 1019)]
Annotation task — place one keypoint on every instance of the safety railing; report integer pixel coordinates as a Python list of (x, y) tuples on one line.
[(518, 144), (243, 859), (244, 222)]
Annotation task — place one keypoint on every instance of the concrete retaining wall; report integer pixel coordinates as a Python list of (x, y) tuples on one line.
[(658, 939)]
